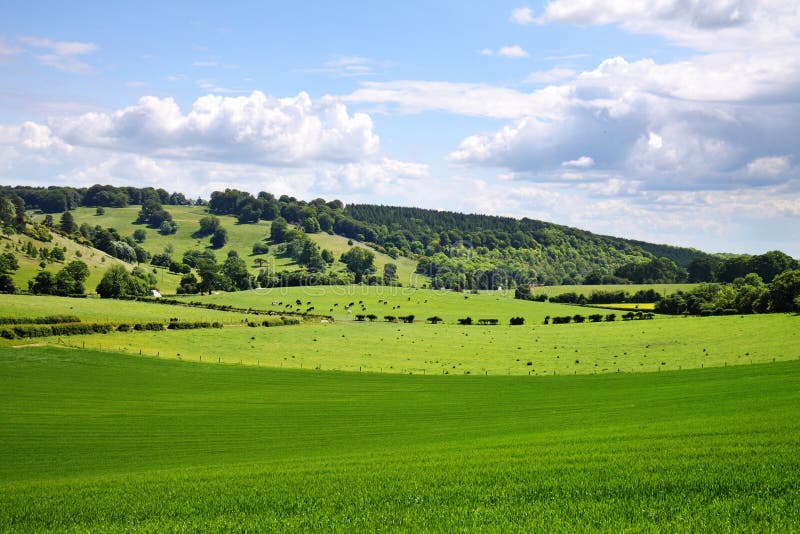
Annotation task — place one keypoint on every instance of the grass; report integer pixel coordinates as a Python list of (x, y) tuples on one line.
[(662, 289), (98, 442), (241, 238), (665, 343), (97, 262), (96, 310), (385, 300)]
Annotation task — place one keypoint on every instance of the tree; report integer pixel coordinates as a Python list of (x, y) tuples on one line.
[(100, 211), (235, 269), (42, 283), (389, 273), (784, 290), (139, 235), (67, 223), (70, 279), (359, 261), (220, 238), (327, 256), (188, 285), (8, 265), (278, 229), (208, 225), (210, 277), (118, 282)]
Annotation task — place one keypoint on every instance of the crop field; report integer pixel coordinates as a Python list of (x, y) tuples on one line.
[(98, 442)]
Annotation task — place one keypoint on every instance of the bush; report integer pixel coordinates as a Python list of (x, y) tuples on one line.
[(487, 321), (579, 318), (390, 318), (148, 326), (466, 321), (517, 321), (434, 320), (595, 318), (407, 318), (124, 327)]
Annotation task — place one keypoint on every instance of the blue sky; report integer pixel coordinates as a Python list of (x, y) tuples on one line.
[(675, 123)]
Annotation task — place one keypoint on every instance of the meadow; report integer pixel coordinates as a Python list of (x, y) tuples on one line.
[(241, 238), (535, 349), (101, 442)]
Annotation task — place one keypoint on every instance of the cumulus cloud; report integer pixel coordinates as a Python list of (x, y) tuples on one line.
[(698, 24), (713, 122), (513, 52), (522, 15), (255, 128), (556, 74), (61, 55), (289, 145), (583, 162)]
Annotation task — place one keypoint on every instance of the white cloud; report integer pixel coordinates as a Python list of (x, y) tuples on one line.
[(769, 166), (254, 128), (471, 99), (513, 52), (61, 55), (8, 50), (583, 162), (522, 15), (346, 66), (556, 74), (699, 24), (486, 52)]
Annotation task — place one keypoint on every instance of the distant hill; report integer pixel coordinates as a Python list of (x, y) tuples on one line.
[(442, 249)]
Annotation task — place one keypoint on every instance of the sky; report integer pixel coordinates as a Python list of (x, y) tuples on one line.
[(672, 121)]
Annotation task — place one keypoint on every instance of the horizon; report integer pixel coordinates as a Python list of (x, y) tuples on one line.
[(673, 124)]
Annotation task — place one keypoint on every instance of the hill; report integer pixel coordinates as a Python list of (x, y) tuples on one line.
[(286, 241)]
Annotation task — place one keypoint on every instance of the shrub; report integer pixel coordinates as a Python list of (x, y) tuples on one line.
[(487, 321), (466, 321), (124, 327), (595, 318), (390, 318), (434, 320), (579, 318), (517, 321), (611, 317)]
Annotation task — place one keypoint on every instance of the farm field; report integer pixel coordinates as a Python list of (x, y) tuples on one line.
[(589, 348), (99, 310), (386, 300), (586, 290), (95, 441), (665, 343)]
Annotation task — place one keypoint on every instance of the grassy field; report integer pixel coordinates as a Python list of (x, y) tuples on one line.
[(97, 261), (241, 238), (662, 289), (385, 300), (665, 343), (97, 310), (631, 346), (99, 442)]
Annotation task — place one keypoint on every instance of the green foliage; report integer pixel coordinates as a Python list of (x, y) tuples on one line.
[(67, 223), (208, 225), (359, 261), (219, 238), (117, 282)]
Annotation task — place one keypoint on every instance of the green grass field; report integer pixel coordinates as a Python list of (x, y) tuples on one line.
[(385, 300), (586, 290), (99, 442), (665, 343), (241, 238)]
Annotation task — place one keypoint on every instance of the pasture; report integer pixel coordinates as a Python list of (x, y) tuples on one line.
[(102, 442), (241, 238), (535, 349)]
